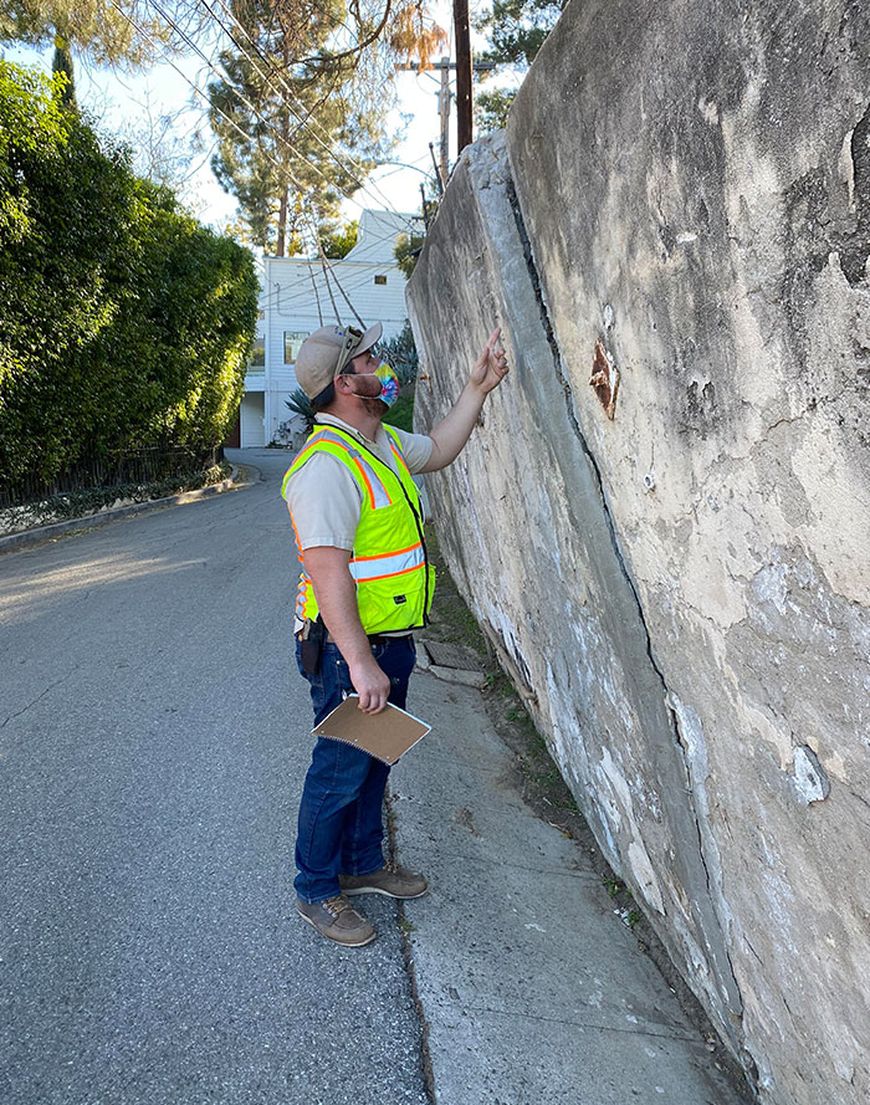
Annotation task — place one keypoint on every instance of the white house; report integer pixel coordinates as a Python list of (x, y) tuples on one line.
[(298, 295)]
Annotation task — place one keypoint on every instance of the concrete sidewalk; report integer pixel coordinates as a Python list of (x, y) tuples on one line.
[(531, 989)]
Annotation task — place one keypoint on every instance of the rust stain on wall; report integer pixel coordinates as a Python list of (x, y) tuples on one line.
[(605, 380)]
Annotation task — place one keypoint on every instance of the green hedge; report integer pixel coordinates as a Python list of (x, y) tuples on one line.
[(123, 322)]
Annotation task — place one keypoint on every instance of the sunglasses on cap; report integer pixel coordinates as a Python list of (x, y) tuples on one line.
[(351, 340)]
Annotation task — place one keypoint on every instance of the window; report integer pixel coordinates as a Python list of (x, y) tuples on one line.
[(292, 340), (381, 278), (258, 353)]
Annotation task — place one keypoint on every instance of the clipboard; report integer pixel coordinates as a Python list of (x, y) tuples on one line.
[(387, 735)]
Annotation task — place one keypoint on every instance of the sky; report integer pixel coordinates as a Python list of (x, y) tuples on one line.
[(120, 101)]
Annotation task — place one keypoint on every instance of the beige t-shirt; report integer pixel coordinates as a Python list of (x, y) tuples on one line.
[(325, 500)]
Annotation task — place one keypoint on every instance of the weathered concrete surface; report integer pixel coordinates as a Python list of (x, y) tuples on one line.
[(684, 588)]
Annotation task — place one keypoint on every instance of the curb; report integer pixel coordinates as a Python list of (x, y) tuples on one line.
[(40, 534)]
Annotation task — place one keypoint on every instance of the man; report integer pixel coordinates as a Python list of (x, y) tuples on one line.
[(365, 585)]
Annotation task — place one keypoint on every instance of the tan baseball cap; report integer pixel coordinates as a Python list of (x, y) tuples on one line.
[(326, 352)]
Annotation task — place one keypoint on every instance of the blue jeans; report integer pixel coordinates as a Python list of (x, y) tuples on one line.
[(340, 816)]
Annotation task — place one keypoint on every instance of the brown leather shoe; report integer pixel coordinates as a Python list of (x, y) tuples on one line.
[(337, 920), (391, 880)]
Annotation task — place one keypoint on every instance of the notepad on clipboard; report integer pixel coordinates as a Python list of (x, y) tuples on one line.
[(387, 735)]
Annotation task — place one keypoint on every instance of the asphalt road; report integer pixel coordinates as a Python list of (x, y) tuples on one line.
[(153, 739)]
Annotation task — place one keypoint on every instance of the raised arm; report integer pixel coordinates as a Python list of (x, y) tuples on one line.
[(452, 432)]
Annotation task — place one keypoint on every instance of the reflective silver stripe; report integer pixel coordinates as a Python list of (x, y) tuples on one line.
[(379, 493), (373, 567), (302, 596)]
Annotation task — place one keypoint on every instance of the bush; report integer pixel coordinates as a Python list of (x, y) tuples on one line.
[(401, 414), (299, 403), (123, 322), (401, 353)]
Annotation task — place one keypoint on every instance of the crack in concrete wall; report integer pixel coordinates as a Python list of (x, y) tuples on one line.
[(729, 979), (680, 582), (640, 688)]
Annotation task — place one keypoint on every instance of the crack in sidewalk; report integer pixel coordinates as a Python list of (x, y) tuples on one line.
[(634, 1030)]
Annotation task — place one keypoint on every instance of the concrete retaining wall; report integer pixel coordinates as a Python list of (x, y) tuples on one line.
[(675, 560)]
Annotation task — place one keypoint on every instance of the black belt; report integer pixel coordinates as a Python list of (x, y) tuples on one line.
[(374, 638)]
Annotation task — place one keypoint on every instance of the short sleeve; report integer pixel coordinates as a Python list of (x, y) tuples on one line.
[(324, 501), (417, 449)]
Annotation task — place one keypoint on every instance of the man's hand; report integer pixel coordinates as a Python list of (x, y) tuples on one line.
[(371, 683), (336, 595), (491, 367)]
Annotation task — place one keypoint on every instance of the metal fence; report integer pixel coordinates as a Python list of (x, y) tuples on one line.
[(136, 468)]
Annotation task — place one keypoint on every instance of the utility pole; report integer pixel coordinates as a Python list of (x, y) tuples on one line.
[(444, 98), (463, 74)]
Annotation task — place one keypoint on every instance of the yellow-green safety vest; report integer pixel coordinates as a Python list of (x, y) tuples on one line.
[(394, 580)]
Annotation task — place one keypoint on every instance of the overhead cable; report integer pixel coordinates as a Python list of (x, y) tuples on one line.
[(316, 293), (344, 294), (343, 163), (203, 95), (329, 291)]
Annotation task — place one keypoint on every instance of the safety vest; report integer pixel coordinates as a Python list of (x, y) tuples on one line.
[(394, 580)]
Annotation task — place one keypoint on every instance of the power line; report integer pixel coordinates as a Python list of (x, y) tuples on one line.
[(329, 290), (199, 91), (342, 164), (238, 95), (273, 297), (344, 294), (316, 293), (282, 169), (363, 268), (300, 301), (279, 74)]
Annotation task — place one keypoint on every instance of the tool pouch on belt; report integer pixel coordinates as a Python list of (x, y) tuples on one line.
[(312, 647)]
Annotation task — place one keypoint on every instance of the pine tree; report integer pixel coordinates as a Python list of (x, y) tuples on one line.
[(292, 136), (93, 27), (517, 30)]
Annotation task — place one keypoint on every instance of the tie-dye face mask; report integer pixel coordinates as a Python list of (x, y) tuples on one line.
[(389, 384)]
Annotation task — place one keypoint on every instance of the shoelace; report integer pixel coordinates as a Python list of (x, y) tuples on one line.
[(336, 905)]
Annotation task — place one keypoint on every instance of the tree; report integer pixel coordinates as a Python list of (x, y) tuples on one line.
[(407, 251), (300, 112), (338, 241), (88, 26), (63, 63), (491, 108), (516, 30), (121, 33), (123, 322), (166, 149), (292, 139)]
